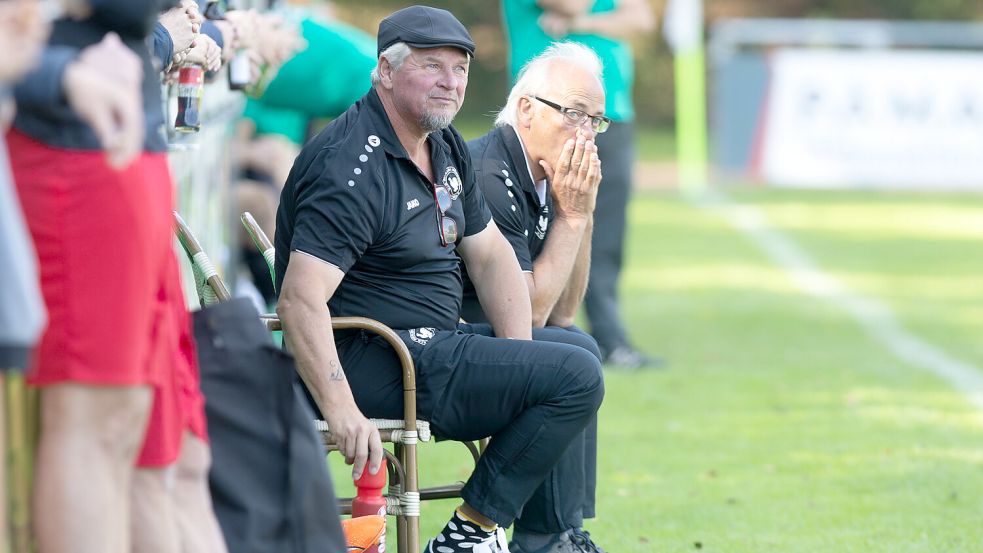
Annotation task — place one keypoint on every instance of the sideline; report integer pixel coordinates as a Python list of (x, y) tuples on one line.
[(875, 318)]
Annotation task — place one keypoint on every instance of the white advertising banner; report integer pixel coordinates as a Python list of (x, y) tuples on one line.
[(884, 119)]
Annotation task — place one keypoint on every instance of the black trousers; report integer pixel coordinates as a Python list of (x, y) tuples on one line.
[(534, 398), (616, 148), (270, 486), (568, 494)]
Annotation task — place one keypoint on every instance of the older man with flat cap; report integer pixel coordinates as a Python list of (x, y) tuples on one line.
[(376, 213)]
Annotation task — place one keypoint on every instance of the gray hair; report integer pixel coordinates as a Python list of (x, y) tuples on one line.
[(396, 54), (534, 77)]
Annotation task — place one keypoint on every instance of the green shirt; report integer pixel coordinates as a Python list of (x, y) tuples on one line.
[(322, 81), (528, 39)]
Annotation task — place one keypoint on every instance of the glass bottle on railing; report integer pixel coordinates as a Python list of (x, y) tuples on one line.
[(239, 66), (190, 87), (239, 70)]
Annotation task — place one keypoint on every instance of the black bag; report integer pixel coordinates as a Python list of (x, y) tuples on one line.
[(269, 480)]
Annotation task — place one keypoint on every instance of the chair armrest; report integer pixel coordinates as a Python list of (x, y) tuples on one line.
[(272, 322), (261, 241), (200, 263)]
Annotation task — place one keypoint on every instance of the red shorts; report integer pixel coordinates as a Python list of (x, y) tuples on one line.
[(116, 314)]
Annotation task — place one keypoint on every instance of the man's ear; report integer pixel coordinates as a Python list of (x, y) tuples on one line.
[(524, 112), (386, 73)]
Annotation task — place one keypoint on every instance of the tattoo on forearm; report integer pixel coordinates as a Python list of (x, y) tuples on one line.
[(336, 373)]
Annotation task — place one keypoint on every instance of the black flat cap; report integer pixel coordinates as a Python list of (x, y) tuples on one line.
[(424, 27)]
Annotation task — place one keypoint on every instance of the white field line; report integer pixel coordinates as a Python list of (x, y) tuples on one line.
[(874, 317)]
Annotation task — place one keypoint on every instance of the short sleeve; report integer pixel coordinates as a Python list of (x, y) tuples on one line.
[(507, 212), (334, 221)]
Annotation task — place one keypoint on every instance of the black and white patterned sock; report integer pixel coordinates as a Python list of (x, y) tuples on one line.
[(461, 534)]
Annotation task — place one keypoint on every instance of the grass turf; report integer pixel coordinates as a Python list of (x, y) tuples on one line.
[(779, 425)]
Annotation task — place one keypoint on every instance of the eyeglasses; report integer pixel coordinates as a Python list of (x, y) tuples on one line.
[(576, 117), (445, 223)]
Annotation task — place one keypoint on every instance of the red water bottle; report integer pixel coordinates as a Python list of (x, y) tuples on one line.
[(368, 500)]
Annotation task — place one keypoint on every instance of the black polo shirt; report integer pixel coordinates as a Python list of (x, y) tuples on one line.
[(503, 177), (355, 200)]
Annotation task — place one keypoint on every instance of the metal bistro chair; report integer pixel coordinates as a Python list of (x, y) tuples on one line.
[(404, 495), (406, 489)]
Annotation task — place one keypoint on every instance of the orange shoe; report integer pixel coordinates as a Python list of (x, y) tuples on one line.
[(363, 532)]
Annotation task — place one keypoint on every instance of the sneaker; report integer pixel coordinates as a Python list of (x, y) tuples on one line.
[(495, 543), (582, 537), (576, 540), (627, 357)]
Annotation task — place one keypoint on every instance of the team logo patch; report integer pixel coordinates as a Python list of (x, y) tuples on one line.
[(541, 227), (453, 182), (422, 335)]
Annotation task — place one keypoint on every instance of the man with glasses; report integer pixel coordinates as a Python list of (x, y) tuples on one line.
[(539, 172), (374, 219), (605, 26)]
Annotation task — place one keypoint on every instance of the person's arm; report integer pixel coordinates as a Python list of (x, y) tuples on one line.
[(566, 307), (162, 45), (629, 17), (552, 268), (101, 84), (498, 280), (568, 8), (573, 185), (307, 286), (211, 29), (182, 26), (205, 53), (42, 86)]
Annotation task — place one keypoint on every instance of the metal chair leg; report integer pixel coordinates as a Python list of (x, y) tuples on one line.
[(412, 487)]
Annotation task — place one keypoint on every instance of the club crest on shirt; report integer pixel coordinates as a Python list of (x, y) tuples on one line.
[(541, 227), (422, 335), (453, 182)]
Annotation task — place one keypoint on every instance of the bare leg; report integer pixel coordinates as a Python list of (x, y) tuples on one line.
[(154, 526), (90, 436), (199, 529)]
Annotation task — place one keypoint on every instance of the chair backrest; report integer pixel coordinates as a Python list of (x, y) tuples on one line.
[(261, 241), (209, 285)]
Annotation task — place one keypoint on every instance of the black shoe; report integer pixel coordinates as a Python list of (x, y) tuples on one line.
[(581, 537), (576, 540), (629, 358)]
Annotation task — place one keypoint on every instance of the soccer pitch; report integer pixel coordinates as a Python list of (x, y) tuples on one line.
[(823, 391)]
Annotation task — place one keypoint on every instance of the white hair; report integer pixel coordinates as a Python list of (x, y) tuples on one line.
[(534, 78), (396, 54)]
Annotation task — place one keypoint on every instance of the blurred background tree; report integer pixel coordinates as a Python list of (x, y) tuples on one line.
[(653, 87)]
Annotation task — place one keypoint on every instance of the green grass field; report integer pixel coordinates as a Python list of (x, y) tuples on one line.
[(779, 423)]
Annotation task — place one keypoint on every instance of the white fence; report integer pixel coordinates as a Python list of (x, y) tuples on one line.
[(201, 164)]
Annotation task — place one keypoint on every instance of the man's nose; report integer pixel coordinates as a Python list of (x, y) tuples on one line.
[(588, 128), (447, 79)]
